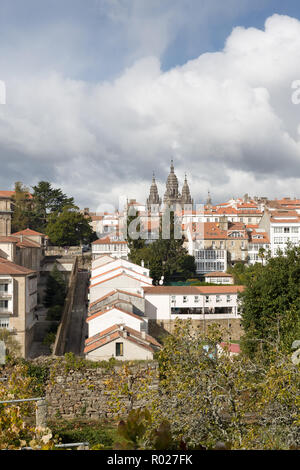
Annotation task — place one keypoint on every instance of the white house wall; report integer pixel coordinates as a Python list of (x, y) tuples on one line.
[(132, 351), (115, 317)]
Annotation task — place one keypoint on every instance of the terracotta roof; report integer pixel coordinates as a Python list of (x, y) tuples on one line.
[(114, 332), (218, 274), (25, 242), (108, 241), (28, 232), (7, 267), (113, 307), (118, 275), (192, 290), (119, 267), (9, 239), (112, 293), (28, 244), (231, 347), (10, 194), (7, 194)]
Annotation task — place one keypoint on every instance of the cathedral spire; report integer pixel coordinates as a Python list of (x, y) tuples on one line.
[(153, 198), (186, 195)]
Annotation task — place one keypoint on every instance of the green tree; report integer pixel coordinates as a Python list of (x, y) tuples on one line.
[(22, 208), (208, 396), (55, 289), (13, 347), (48, 200), (271, 303), (69, 228), (165, 256), (16, 431)]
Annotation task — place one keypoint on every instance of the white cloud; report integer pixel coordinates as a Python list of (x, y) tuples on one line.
[(226, 118)]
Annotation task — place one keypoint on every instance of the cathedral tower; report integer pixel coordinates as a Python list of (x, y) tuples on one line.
[(172, 195), (153, 198), (186, 195)]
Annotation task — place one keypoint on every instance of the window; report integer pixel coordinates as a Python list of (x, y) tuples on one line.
[(3, 304), (4, 322), (295, 229), (173, 299), (119, 349), (207, 298), (278, 229), (286, 230), (3, 287), (228, 298), (218, 298), (184, 298), (196, 298)]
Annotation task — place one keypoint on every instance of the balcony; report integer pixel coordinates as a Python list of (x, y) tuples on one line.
[(5, 295), (5, 311)]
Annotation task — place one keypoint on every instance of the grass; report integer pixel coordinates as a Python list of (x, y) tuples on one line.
[(94, 432)]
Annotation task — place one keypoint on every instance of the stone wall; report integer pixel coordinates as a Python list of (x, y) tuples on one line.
[(231, 326), (82, 393)]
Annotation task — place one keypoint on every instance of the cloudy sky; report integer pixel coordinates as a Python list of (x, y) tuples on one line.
[(101, 93)]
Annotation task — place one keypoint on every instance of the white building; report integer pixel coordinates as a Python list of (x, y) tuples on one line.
[(115, 265), (282, 226), (210, 260), (122, 343), (218, 278), (117, 325), (18, 302), (195, 302), (259, 246), (110, 245)]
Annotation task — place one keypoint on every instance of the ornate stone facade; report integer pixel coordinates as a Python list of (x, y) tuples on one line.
[(172, 196), (5, 214)]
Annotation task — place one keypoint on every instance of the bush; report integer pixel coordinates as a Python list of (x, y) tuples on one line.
[(54, 313), (93, 432)]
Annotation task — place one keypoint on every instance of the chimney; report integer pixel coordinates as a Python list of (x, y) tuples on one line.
[(144, 334), (142, 263)]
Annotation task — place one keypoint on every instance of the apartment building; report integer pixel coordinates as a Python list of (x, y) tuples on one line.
[(258, 246), (110, 245), (117, 325), (203, 305), (5, 212), (215, 245), (18, 302), (282, 227)]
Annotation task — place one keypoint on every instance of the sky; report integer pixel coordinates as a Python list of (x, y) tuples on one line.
[(101, 93)]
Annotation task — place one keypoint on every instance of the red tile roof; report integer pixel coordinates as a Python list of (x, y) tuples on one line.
[(231, 347), (29, 232), (114, 332), (218, 274), (10, 194), (108, 241), (113, 307), (118, 275), (7, 267), (112, 293), (192, 290)]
